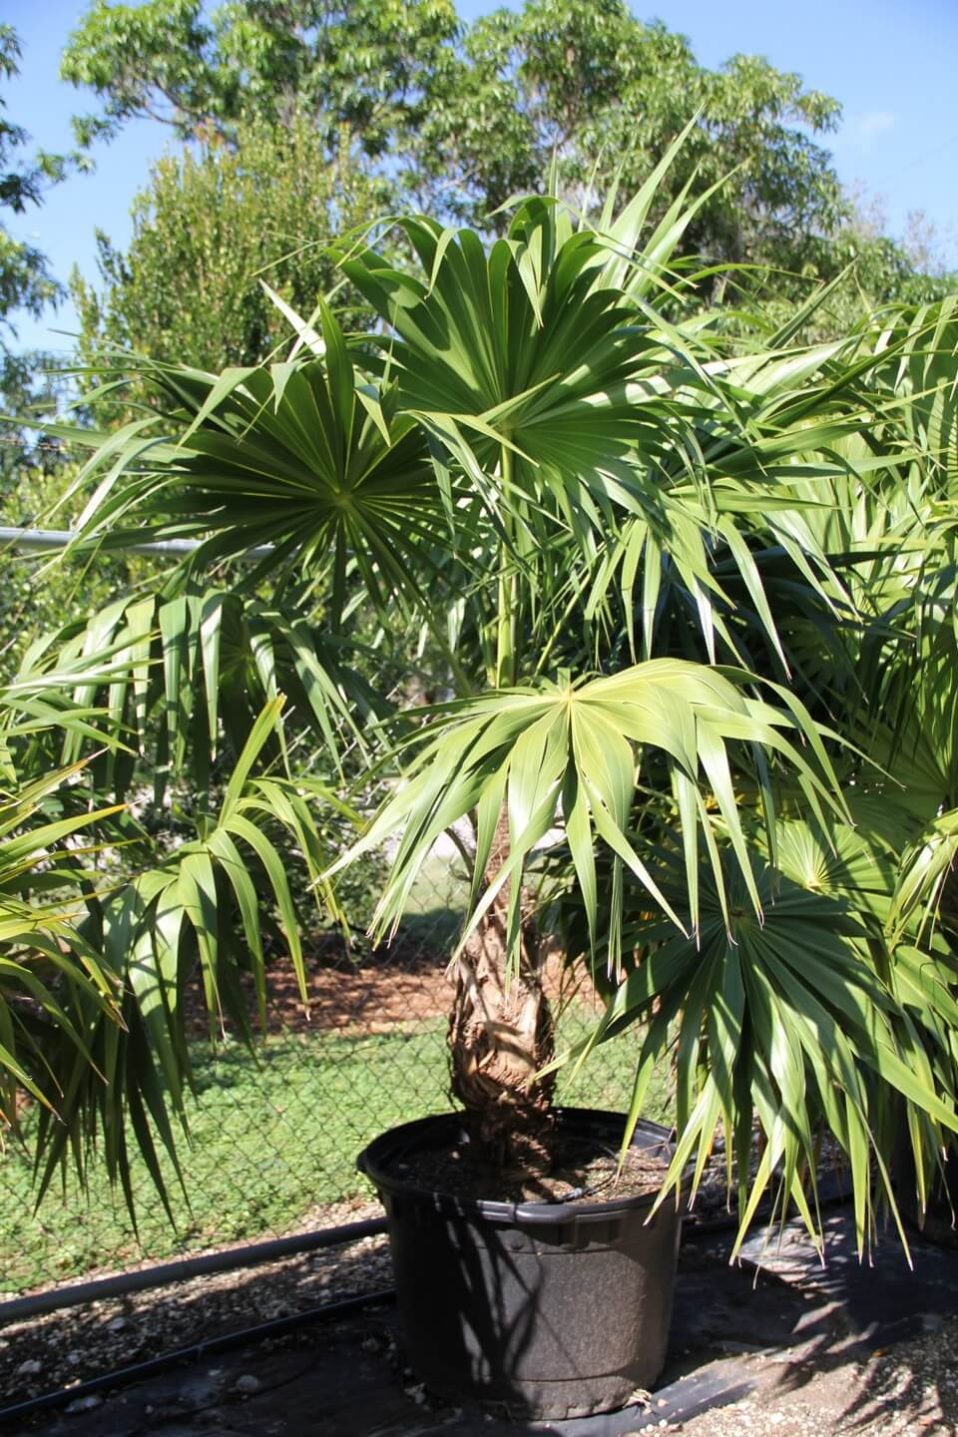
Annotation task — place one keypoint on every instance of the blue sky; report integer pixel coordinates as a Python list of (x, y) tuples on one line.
[(891, 63)]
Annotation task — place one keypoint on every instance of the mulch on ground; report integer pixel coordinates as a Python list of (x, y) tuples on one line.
[(373, 993)]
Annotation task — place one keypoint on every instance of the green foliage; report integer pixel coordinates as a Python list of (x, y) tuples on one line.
[(316, 1094), (197, 666), (36, 595), (367, 66), (605, 94), (47, 968), (26, 380), (40, 948), (583, 747), (31, 385), (25, 279), (312, 116), (874, 273), (26, 282), (211, 221), (105, 1049)]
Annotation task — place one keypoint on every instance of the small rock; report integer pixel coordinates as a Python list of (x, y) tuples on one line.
[(30, 1368), (74, 1358), (117, 1325), (247, 1384), (84, 1404), (369, 1344)]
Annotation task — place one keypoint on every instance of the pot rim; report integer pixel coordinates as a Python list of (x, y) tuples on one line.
[(373, 1163)]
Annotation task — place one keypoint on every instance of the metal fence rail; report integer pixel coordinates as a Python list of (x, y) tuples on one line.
[(44, 541)]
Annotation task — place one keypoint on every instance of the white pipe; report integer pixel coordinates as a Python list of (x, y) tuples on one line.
[(43, 539)]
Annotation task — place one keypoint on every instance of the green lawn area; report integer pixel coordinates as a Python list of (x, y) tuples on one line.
[(271, 1138)]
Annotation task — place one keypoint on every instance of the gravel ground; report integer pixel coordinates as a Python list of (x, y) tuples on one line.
[(907, 1390), (64, 1348)]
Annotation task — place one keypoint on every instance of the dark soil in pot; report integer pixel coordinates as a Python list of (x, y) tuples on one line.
[(585, 1165), (554, 1308)]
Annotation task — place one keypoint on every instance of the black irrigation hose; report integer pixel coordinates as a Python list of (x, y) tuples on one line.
[(836, 1192), (18, 1309), (137, 1370)]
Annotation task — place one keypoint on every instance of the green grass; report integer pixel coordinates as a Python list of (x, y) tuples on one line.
[(271, 1138)]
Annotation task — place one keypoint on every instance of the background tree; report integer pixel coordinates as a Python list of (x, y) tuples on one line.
[(454, 119), (368, 65), (605, 94), (213, 218), (474, 114), (25, 278), (26, 282), (31, 462)]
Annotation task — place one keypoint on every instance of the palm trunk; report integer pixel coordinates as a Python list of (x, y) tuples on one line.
[(501, 1032)]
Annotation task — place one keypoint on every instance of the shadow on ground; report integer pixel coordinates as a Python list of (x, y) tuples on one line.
[(779, 1329)]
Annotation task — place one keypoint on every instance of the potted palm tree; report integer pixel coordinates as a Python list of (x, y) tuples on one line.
[(605, 520)]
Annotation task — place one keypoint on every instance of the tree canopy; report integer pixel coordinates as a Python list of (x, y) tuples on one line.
[(296, 118), (464, 116), (367, 64), (27, 284)]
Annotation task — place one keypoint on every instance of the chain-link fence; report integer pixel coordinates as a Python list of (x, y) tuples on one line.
[(274, 1133)]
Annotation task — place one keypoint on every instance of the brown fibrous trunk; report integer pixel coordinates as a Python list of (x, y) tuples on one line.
[(501, 1033)]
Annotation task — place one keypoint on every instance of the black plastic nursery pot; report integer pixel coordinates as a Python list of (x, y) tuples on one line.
[(553, 1309)]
